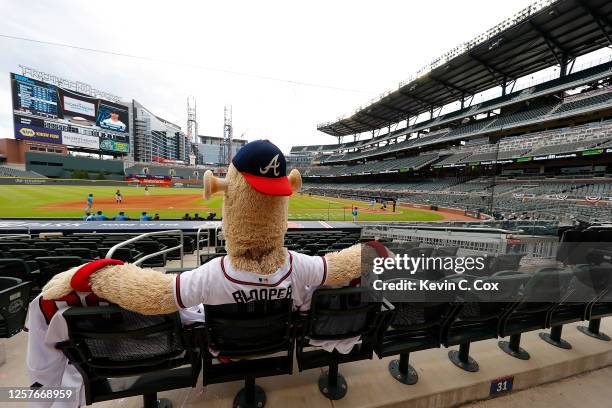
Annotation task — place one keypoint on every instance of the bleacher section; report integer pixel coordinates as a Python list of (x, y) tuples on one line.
[(537, 198), (590, 101), (6, 171)]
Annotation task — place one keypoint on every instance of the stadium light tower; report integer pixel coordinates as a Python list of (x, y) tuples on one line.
[(192, 119), (225, 150)]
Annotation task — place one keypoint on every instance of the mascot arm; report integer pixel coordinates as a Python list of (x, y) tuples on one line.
[(344, 266), (145, 291)]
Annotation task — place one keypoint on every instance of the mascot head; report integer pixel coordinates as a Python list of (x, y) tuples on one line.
[(255, 205)]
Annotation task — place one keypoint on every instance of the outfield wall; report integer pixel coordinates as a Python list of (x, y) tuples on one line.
[(54, 165), (85, 182)]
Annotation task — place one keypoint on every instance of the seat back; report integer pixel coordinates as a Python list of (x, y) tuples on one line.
[(546, 286), (84, 253), (15, 268), (84, 244), (14, 300), (505, 262), (108, 341), (50, 266), (253, 328), (28, 253), (343, 313)]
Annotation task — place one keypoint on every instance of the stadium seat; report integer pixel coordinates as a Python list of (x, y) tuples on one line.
[(122, 354), (206, 257), (587, 284), (598, 309), (93, 245), (504, 262), (335, 315), (50, 266), (255, 338), (16, 268), (6, 246), (48, 245), (170, 242), (477, 314), (125, 254), (413, 326), (542, 292), (20, 269), (86, 254), (148, 247), (14, 301), (28, 254)]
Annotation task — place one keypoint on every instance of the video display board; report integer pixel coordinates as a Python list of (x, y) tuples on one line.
[(47, 113)]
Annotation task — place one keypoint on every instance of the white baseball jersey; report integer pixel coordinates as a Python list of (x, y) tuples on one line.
[(46, 326), (218, 282)]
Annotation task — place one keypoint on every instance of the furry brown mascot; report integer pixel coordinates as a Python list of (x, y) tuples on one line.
[(255, 211)]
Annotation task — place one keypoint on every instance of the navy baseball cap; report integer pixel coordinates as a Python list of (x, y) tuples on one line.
[(264, 167)]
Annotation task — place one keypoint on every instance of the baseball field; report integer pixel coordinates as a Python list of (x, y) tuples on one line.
[(35, 201)]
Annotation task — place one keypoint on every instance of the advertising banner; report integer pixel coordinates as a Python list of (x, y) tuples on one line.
[(78, 140), (79, 106), (38, 134), (114, 146), (165, 182)]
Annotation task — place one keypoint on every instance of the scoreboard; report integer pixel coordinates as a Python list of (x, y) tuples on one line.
[(47, 113), (37, 98)]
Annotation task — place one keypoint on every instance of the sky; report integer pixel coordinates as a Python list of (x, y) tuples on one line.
[(283, 66)]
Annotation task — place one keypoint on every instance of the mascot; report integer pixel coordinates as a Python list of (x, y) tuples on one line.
[(257, 266)]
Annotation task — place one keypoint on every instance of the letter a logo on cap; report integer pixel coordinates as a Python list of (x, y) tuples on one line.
[(273, 165), (270, 178)]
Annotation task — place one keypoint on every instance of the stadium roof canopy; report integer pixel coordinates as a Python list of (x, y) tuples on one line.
[(547, 33)]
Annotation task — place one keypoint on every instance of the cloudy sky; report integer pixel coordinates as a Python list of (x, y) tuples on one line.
[(283, 66)]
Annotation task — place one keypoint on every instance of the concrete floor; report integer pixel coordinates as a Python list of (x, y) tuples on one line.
[(592, 389), (441, 384)]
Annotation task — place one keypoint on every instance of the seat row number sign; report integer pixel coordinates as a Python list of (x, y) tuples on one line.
[(501, 386)]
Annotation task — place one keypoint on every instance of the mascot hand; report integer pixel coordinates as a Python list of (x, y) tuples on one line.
[(75, 279), (59, 285)]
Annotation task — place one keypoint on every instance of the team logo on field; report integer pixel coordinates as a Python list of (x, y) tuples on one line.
[(273, 165)]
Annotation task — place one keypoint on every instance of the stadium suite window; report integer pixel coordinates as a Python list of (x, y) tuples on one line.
[(39, 163)]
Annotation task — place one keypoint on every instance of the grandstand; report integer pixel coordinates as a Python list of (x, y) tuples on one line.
[(557, 134), (6, 171)]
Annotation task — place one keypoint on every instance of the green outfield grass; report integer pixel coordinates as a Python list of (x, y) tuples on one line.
[(70, 201)]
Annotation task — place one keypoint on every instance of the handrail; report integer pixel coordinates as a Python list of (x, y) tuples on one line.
[(111, 251), (198, 259)]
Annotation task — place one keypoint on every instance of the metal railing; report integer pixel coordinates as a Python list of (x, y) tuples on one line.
[(111, 251), (198, 259)]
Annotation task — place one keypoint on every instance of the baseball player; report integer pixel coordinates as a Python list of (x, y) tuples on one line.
[(89, 203), (118, 197)]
